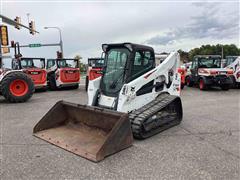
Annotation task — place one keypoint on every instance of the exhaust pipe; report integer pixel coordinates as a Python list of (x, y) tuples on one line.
[(90, 132)]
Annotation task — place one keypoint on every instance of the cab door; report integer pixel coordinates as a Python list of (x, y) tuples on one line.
[(194, 69), (143, 62)]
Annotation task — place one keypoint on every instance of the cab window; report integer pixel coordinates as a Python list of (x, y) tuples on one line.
[(143, 62), (194, 63), (50, 63)]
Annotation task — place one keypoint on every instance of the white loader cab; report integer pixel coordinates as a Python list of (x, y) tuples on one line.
[(233, 62)]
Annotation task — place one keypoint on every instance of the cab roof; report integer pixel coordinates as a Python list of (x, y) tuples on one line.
[(32, 58), (62, 59), (95, 58), (128, 45)]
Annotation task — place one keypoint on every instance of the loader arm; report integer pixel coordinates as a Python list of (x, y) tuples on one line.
[(235, 64), (170, 63), (165, 75)]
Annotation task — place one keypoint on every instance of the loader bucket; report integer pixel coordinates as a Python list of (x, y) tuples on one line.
[(90, 132)]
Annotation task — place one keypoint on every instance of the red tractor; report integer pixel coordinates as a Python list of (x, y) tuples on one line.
[(15, 85), (95, 66), (63, 73), (34, 67)]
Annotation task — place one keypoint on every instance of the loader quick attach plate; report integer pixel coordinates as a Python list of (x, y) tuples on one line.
[(90, 132)]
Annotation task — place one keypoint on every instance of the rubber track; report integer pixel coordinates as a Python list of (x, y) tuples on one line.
[(138, 117)]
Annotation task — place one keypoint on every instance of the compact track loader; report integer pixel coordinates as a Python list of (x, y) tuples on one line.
[(132, 98), (63, 72), (94, 70), (233, 63)]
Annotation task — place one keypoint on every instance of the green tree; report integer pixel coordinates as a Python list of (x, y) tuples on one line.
[(82, 66), (184, 56), (78, 57), (228, 49)]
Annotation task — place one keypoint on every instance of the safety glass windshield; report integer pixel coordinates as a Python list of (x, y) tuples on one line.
[(114, 71), (96, 62), (210, 63), (32, 63), (71, 63)]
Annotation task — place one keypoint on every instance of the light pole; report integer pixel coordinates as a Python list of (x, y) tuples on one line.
[(60, 34), (28, 14)]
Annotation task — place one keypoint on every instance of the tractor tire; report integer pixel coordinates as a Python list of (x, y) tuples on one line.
[(202, 85), (86, 83), (17, 87), (52, 82), (189, 82), (234, 84), (225, 87)]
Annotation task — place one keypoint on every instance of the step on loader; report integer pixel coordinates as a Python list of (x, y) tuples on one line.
[(132, 98)]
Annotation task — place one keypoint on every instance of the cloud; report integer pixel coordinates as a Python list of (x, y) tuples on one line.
[(213, 22), (85, 26), (165, 39)]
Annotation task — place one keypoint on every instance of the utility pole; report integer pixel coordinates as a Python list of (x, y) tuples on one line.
[(222, 51), (222, 61), (28, 14), (60, 37)]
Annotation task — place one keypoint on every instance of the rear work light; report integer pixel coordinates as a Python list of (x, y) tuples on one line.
[(203, 71), (212, 72), (230, 72)]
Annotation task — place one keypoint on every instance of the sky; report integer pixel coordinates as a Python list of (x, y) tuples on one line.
[(86, 25)]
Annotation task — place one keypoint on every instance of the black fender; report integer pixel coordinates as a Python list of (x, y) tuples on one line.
[(205, 79), (189, 76)]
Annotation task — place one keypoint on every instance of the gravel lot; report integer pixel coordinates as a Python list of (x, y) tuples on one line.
[(205, 146)]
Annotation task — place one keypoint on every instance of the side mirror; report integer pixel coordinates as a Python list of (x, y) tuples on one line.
[(103, 55)]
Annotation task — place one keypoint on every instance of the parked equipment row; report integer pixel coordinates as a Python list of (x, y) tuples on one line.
[(20, 76), (207, 71)]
